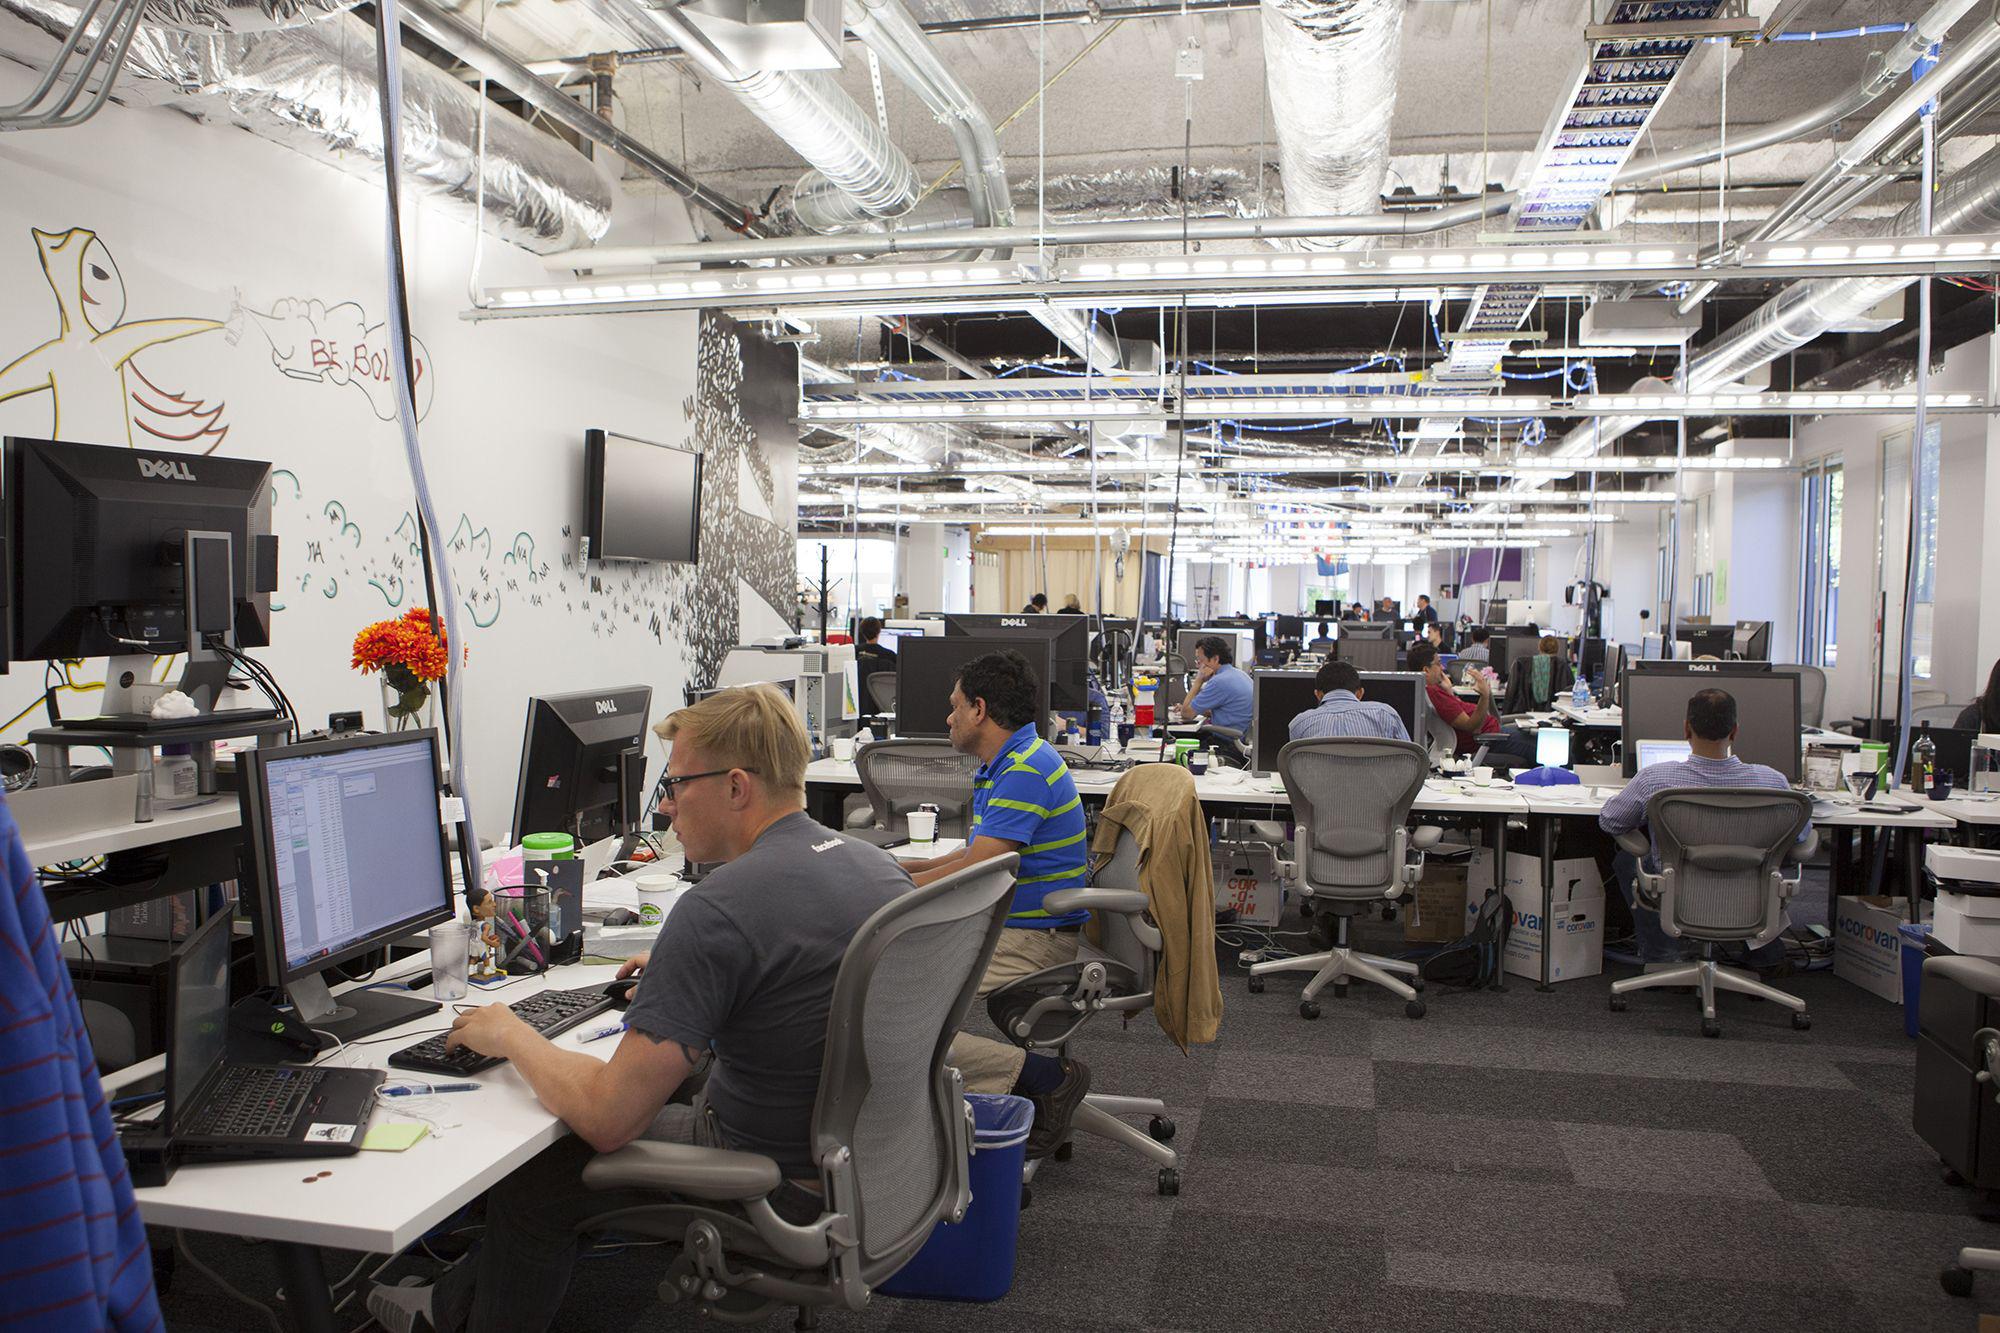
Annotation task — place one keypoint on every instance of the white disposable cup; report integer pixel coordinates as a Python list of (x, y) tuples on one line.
[(923, 825), (451, 948), (843, 748), (1482, 774)]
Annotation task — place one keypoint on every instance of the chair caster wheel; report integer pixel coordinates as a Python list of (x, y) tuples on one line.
[(1308, 1008), (1414, 1009), (1170, 1185), (1710, 1028), (1161, 1129), (1256, 985), (1956, 1281), (1949, 1176), (1339, 990), (1618, 1004), (1803, 1022), (1064, 1151)]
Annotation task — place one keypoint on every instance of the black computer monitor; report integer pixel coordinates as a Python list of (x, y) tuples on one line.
[(1654, 708), (583, 761), (1325, 608), (1068, 675), (1364, 629), (1507, 643), (1368, 653), (1752, 640), (1278, 697), (1242, 643), (1292, 629), (346, 853), (1717, 641), (1404, 692), (1260, 632), (926, 670), (99, 543)]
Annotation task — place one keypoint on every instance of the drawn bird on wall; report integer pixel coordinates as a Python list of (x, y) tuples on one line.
[(96, 392)]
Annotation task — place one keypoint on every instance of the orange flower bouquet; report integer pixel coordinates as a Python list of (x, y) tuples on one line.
[(410, 655)]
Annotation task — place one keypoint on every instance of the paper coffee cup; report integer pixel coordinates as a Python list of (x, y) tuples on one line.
[(843, 748), (923, 825), (1482, 774)]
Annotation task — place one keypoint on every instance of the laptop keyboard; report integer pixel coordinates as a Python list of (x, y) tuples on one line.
[(550, 1012), (254, 1102)]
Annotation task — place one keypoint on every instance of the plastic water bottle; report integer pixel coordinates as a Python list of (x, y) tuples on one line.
[(1579, 695)]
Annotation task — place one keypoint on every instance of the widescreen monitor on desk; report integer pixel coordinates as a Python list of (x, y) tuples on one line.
[(1066, 677), (1655, 703), (1279, 697), (927, 669)]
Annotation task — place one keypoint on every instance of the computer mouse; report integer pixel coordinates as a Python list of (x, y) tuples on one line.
[(621, 916), (621, 991)]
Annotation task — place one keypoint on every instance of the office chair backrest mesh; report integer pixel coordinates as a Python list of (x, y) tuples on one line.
[(900, 775), (1117, 940), (1349, 796), (885, 1092), (1723, 847), (1812, 692), (882, 690)]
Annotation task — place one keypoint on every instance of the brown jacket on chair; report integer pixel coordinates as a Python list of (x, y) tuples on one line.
[(1157, 804)]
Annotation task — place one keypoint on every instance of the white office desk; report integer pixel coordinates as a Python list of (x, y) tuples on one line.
[(1593, 716), (1982, 810), (377, 1202)]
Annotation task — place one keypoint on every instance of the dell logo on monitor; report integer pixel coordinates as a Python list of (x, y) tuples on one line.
[(171, 469), (1013, 621), (606, 706)]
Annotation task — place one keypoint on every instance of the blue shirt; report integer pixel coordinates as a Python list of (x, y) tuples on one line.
[(1027, 796), (1225, 698), (75, 1253), (1341, 714), (1627, 810)]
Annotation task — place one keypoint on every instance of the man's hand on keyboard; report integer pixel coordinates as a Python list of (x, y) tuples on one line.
[(633, 966), (492, 1029)]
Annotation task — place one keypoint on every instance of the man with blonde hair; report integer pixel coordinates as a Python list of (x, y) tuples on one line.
[(724, 1034)]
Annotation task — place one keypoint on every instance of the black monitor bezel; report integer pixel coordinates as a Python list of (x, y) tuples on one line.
[(261, 863), (1061, 631), (1628, 744), (1026, 645), (625, 795)]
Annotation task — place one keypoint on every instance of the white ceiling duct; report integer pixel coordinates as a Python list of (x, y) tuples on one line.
[(311, 87), (1331, 69)]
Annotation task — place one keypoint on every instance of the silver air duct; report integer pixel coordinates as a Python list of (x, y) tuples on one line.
[(312, 88), (1968, 202), (1331, 68)]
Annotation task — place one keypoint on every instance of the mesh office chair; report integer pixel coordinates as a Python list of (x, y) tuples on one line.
[(1720, 881), (1350, 797), (882, 690), (891, 1128), (1044, 1010), (1936, 715), (899, 775), (1812, 692)]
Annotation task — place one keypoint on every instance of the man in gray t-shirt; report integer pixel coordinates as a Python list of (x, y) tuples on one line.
[(737, 988)]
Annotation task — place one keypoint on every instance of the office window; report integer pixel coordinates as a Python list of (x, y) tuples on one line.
[(1820, 493)]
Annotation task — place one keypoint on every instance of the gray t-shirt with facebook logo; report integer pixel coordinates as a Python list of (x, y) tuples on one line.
[(745, 966)]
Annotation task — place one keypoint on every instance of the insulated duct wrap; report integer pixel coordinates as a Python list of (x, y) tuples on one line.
[(241, 15), (1331, 68), (870, 176), (1104, 196), (313, 89)]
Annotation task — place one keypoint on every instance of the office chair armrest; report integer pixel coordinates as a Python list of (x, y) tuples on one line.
[(1425, 836), (1635, 841), (1805, 850), (1123, 901), (683, 1169)]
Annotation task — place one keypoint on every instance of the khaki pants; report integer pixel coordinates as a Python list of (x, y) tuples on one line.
[(994, 1066)]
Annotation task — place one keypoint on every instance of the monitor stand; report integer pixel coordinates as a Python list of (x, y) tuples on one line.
[(356, 1013)]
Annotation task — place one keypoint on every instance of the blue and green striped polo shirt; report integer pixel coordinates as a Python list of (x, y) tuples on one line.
[(1026, 796)]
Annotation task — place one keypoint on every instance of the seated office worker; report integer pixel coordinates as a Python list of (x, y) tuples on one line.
[(1711, 735), (869, 650), (737, 989), (1222, 694), (1480, 649), (1023, 800), (1344, 711), (1476, 723)]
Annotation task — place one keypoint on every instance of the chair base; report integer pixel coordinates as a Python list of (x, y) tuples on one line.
[(1707, 977), (1338, 966), (1956, 1279)]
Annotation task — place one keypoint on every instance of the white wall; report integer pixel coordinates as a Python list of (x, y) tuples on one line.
[(920, 566), (283, 257)]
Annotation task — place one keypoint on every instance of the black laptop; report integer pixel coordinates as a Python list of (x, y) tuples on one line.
[(222, 1111)]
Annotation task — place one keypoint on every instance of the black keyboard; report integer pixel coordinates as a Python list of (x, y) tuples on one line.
[(549, 1013), (253, 1102)]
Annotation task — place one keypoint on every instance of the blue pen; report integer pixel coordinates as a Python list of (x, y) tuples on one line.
[(611, 1031), (411, 1091)]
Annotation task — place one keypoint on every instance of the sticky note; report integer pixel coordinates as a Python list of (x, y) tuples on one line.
[(394, 1136)]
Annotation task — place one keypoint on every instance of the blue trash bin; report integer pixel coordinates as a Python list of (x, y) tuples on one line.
[(1913, 971), (973, 1260)]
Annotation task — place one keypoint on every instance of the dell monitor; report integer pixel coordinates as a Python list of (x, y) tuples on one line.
[(1366, 652), (1751, 640), (1717, 641), (642, 501), (124, 553), (1279, 697), (1404, 692), (1656, 695), (1068, 676), (1242, 642), (583, 761), (1365, 629), (927, 669), (346, 854)]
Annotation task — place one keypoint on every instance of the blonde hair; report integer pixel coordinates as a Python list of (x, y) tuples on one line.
[(752, 727)]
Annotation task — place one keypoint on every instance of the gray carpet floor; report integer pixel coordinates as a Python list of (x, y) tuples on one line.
[(1514, 1160)]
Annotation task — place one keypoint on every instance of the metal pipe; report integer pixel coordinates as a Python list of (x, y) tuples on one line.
[(462, 40)]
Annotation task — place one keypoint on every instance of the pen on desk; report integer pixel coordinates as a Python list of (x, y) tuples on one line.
[(428, 1089), (601, 1033)]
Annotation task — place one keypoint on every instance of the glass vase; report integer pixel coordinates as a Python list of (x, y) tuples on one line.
[(408, 710)]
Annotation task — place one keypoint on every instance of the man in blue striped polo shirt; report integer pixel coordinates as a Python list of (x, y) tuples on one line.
[(1024, 801)]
